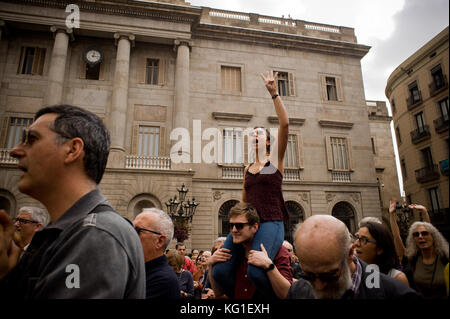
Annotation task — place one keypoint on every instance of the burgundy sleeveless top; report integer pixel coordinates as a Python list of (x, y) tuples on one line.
[(263, 190)]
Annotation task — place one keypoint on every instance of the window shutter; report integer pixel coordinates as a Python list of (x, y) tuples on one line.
[(4, 131), (38, 61), (300, 151), (351, 164), (82, 74), (245, 138), (291, 84), (324, 87), (162, 141), (102, 71), (220, 144), (135, 140), (339, 89), (329, 153), (162, 72), (142, 70), (22, 59)]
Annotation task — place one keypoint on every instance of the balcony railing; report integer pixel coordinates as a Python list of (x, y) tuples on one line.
[(5, 158), (237, 172), (441, 124), (147, 162), (427, 174), (337, 176), (420, 134), (412, 101), (291, 174), (233, 172), (444, 167), (438, 86)]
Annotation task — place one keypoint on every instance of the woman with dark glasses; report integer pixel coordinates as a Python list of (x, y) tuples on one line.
[(374, 245), (426, 255)]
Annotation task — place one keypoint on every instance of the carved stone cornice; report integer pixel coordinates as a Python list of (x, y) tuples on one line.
[(232, 116), (336, 124), (292, 120), (279, 40), (154, 10)]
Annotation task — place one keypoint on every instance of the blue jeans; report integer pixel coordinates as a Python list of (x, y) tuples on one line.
[(271, 235)]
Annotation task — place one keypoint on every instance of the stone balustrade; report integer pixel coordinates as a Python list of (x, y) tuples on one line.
[(147, 162)]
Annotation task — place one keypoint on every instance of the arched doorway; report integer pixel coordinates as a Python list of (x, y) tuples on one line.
[(296, 215), (224, 229), (345, 212)]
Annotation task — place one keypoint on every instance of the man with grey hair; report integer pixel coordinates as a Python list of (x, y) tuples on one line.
[(29, 220), (155, 229), (331, 271)]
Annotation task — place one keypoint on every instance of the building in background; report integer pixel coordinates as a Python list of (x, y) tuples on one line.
[(147, 68), (384, 156), (418, 94)]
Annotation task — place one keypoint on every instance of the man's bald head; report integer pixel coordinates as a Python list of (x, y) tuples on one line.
[(321, 239)]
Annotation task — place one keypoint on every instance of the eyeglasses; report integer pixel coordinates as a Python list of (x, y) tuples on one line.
[(330, 277), (139, 230), (238, 226), (363, 240), (423, 233), (24, 221)]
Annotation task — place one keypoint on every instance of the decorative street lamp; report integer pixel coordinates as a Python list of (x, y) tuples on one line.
[(181, 211)]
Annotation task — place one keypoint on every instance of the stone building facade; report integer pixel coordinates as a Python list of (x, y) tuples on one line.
[(418, 94), (384, 156), (167, 65)]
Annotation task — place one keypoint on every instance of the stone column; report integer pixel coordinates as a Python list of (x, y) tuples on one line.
[(181, 118), (57, 68), (118, 116), (181, 101)]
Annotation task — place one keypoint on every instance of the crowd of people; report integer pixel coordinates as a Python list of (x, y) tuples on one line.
[(63, 155)]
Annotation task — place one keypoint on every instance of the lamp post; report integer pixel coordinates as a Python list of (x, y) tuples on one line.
[(181, 211)]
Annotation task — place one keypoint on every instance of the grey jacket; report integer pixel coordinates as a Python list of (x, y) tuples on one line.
[(89, 252)]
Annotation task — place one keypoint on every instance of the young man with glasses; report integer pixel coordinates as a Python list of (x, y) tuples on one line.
[(330, 269), (155, 230), (62, 158), (244, 222)]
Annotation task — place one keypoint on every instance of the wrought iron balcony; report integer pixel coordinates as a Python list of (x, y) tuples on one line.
[(427, 174), (438, 86), (412, 101), (444, 167), (441, 124), (420, 134)]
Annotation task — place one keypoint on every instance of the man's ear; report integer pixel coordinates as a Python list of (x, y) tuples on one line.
[(161, 241), (74, 150)]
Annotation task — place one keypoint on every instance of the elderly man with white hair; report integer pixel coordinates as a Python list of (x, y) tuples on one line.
[(29, 220), (155, 230), (330, 269)]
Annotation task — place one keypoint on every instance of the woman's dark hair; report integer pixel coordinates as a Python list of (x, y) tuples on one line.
[(388, 258), (73, 121)]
